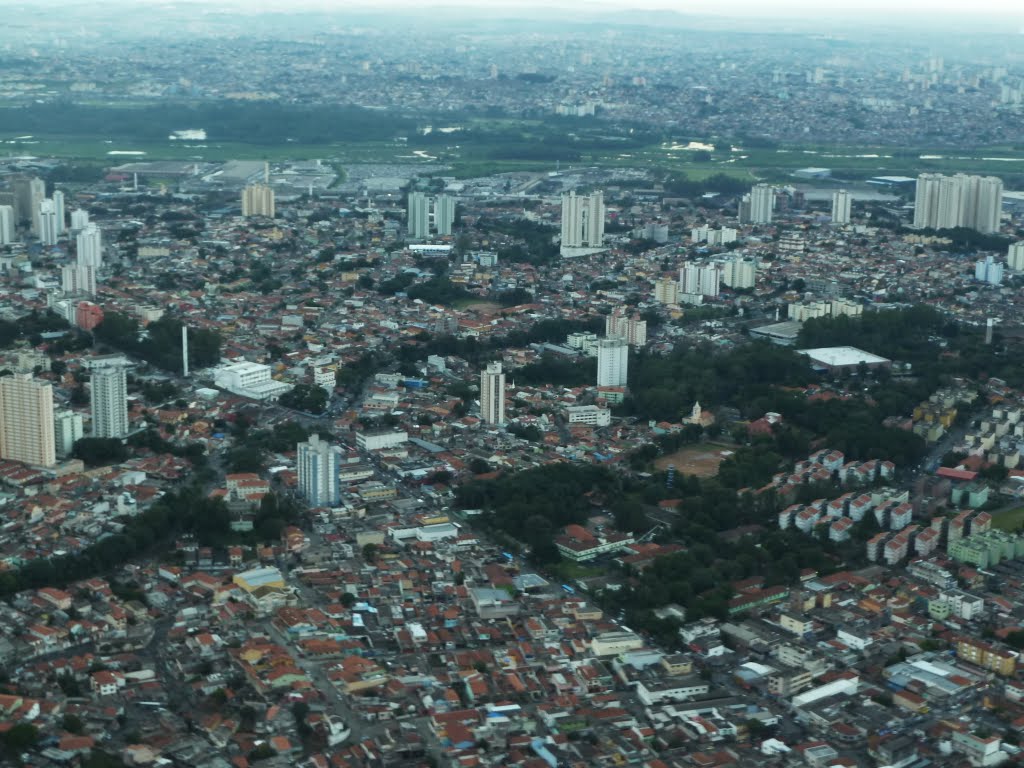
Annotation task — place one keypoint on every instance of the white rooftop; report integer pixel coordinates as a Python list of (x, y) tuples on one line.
[(839, 356)]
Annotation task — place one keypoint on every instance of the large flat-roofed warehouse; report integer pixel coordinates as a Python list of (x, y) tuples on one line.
[(838, 359)]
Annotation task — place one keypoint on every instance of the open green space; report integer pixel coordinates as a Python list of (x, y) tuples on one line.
[(1009, 519)]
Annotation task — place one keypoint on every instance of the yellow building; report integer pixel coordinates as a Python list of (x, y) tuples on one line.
[(1003, 663), (256, 578), (26, 420)]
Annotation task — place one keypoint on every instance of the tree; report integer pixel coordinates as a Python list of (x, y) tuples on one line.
[(370, 552), (97, 451), (305, 397), (20, 737), (72, 724)]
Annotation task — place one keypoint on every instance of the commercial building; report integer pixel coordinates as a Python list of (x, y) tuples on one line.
[(945, 202), (319, 465), (258, 200), (590, 415), (28, 194), (612, 363), (492, 394), (108, 381), (250, 380), (380, 439), (841, 204), (26, 420), (837, 359), (582, 220)]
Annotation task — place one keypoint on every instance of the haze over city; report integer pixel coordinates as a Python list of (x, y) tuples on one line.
[(537, 384)]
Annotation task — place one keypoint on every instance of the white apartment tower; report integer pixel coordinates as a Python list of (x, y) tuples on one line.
[(319, 465), (26, 420), (58, 209), (108, 378), (67, 430), (841, 203), (78, 279), (631, 329), (945, 202), (700, 280), (30, 193), (89, 245), (582, 220), (7, 224), (444, 214), (418, 215), (762, 201), (612, 363), (258, 200), (46, 216), (1015, 256), (739, 273), (79, 218), (492, 394)]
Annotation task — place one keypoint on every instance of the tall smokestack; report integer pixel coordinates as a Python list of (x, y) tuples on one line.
[(184, 351)]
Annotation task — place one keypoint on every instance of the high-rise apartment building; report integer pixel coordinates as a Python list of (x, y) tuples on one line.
[(666, 291), (739, 273), (46, 218), (583, 220), (492, 394), (258, 200), (1015, 256), (319, 465), (630, 328), (58, 209), (418, 215), (946, 202), (988, 270), (762, 201), (28, 194), (695, 279), (79, 219), (612, 363), (67, 430), (841, 204), (26, 420), (89, 244), (108, 379), (77, 279), (444, 214), (7, 225)]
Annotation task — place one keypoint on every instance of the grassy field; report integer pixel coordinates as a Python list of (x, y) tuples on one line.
[(699, 460), (1009, 520), (487, 307), (477, 159)]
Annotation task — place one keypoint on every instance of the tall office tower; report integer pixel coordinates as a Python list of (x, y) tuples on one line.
[(319, 465), (78, 279), (492, 394), (762, 200), (109, 396), (841, 201), (945, 202), (47, 219), (1015, 256), (26, 420), (89, 244), (988, 270), (444, 214), (7, 231), (58, 209), (583, 220), (418, 215), (666, 291), (258, 200), (79, 219), (612, 363), (740, 273), (630, 329), (67, 430)]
